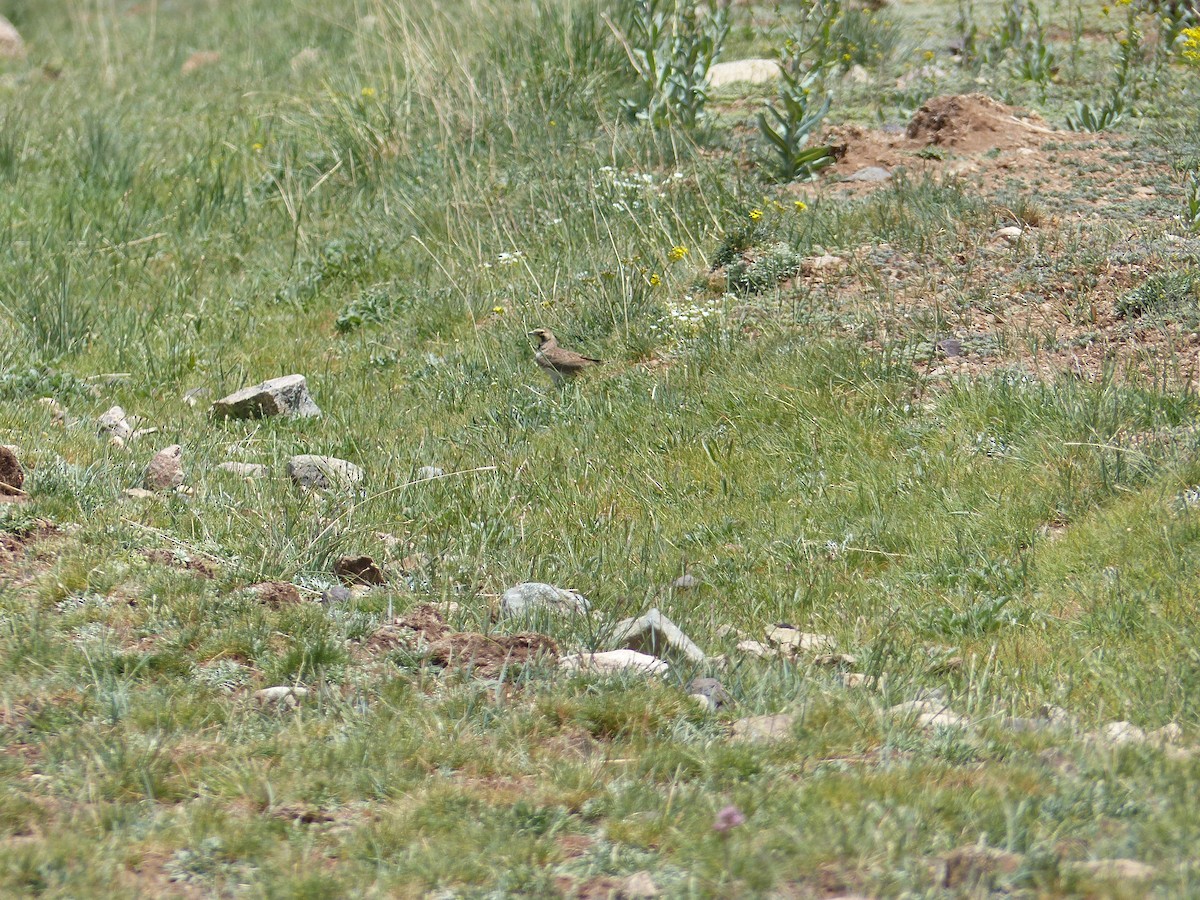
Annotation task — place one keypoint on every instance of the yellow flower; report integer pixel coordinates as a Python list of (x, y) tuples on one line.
[(1191, 44), (755, 215), (368, 92), (499, 310), (929, 54), (678, 252), (655, 281), (801, 206), (256, 147)]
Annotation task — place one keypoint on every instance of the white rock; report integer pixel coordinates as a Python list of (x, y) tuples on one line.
[(655, 633), (323, 472), (858, 75), (793, 641), (426, 473), (1122, 733), (614, 661), (1168, 734), (11, 45), (869, 174), (826, 264), (754, 648), (930, 714), (751, 71), (113, 423), (1010, 233), (285, 396), (285, 695), (533, 597)]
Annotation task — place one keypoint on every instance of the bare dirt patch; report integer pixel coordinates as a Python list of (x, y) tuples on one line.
[(23, 555), (487, 655), (952, 135), (1043, 298)]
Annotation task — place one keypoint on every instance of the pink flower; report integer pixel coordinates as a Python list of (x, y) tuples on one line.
[(727, 819)]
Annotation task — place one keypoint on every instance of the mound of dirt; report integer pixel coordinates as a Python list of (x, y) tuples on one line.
[(489, 655), (963, 127), (974, 123), (482, 654)]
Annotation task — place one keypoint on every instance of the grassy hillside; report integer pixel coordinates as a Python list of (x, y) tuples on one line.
[(963, 455)]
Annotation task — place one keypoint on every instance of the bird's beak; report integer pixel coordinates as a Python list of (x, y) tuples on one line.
[(531, 334)]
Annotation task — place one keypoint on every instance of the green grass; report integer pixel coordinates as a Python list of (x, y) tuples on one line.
[(390, 216)]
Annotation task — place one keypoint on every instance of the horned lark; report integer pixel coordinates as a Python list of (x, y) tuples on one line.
[(558, 363)]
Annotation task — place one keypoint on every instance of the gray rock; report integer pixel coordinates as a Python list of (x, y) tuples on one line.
[(336, 594), (243, 470), (11, 45), (685, 582), (165, 470), (654, 633), (114, 424), (286, 396), (323, 472), (192, 397), (950, 347), (281, 695), (711, 691), (426, 472), (870, 173), (534, 597)]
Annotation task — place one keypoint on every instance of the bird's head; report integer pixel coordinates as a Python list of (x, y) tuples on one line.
[(543, 335)]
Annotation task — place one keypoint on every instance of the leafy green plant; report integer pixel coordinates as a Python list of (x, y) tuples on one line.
[(1191, 201), (1124, 89), (1100, 118), (1035, 61), (671, 47), (1162, 294), (789, 122)]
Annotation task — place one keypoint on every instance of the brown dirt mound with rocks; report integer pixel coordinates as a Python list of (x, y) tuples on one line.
[(12, 476), (487, 655), (960, 130), (975, 123)]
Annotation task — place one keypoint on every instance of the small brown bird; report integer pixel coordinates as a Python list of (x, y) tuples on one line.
[(558, 363)]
